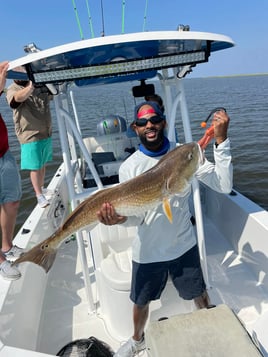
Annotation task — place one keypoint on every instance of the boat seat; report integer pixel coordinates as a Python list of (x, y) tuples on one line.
[(102, 157), (116, 269), (113, 261), (113, 255), (116, 143)]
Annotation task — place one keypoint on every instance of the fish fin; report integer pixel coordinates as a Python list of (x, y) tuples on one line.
[(42, 254), (167, 209)]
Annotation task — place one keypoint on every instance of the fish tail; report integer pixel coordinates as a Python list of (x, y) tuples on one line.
[(42, 255)]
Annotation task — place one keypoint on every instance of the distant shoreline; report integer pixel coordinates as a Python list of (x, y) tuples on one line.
[(235, 75)]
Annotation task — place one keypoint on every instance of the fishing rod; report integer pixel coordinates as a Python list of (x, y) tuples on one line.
[(102, 18), (123, 15), (145, 15), (90, 20), (77, 20), (209, 133), (204, 123)]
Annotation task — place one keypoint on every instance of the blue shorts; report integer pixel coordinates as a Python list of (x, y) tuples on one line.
[(10, 180), (149, 280), (36, 154)]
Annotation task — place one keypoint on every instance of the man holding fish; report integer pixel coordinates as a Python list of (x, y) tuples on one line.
[(153, 192), (161, 249)]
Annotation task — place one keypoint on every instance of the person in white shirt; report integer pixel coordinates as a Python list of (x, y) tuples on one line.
[(161, 249)]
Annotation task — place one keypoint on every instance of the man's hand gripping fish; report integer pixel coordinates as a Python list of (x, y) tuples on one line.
[(169, 176)]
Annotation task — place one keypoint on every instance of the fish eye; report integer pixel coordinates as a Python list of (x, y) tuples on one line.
[(190, 156)]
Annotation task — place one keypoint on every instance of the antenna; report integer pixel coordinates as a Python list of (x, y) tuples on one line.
[(78, 21), (102, 17), (90, 20)]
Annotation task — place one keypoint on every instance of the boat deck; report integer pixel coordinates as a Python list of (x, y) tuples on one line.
[(66, 309)]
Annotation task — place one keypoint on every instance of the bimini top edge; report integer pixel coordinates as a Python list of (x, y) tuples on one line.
[(118, 58)]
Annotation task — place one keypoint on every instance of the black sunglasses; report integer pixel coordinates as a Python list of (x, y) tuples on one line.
[(143, 121)]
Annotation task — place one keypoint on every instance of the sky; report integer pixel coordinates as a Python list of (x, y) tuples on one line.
[(52, 23)]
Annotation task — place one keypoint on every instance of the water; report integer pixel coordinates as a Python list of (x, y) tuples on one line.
[(245, 99)]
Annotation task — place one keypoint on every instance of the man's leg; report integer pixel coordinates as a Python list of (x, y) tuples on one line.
[(140, 316), (37, 179), (202, 301), (136, 343), (187, 276), (8, 215)]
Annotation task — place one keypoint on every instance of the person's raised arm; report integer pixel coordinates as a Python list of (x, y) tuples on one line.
[(3, 73), (21, 95)]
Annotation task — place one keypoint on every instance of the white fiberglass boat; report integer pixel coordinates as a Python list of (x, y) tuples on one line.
[(86, 292)]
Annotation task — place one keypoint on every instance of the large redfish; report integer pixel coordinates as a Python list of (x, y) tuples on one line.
[(169, 176)]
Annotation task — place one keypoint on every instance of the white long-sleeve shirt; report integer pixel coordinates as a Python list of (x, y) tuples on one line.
[(157, 239)]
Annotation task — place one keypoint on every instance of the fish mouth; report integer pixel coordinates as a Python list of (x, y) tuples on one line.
[(201, 155)]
